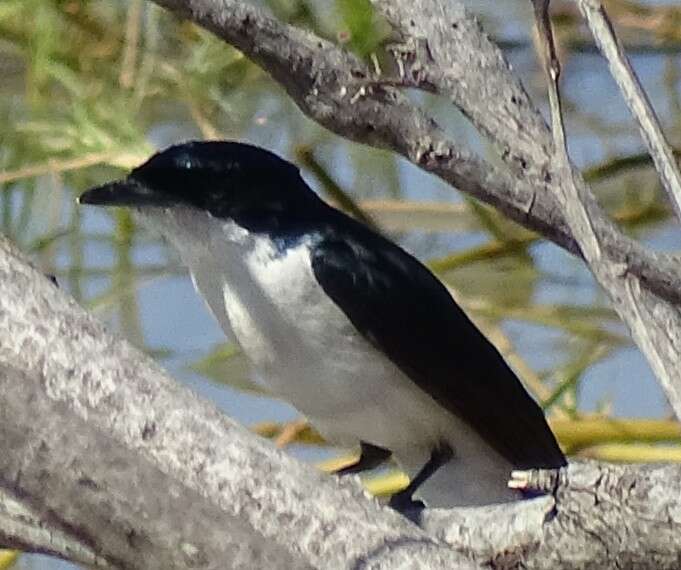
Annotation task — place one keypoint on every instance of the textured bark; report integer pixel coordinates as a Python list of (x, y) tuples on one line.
[(442, 49), (95, 491), (600, 516), (106, 461), (119, 462)]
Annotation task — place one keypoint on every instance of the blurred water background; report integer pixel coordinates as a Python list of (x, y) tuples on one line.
[(90, 88)]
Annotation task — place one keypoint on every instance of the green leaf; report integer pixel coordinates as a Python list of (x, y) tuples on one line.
[(362, 32)]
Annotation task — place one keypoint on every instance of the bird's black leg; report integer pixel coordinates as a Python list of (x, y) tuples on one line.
[(371, 456), (52, 278), (403, 501)]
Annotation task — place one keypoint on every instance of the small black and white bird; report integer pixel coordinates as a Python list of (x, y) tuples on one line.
[(342, 323)]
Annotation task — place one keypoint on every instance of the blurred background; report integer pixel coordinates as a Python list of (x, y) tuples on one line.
[(91, 88)]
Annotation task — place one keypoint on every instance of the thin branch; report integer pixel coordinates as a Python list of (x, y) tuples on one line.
[(117, 158), (659, 346), (636, 99)]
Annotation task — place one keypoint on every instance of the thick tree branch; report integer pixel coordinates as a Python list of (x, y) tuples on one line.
[(104, 460), (23, 529), (599, 516), (89, 489), (443, 50), (107, 451), (335, 89)]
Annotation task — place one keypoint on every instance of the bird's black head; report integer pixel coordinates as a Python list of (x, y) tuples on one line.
[(230, 180)]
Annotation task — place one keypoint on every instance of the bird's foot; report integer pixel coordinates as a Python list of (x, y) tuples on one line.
[(371, 457), (407, 506)]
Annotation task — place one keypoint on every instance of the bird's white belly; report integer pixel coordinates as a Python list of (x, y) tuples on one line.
[(301, 344), (306, 351)]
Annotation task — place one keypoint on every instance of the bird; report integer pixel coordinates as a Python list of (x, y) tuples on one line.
[(341, 322)]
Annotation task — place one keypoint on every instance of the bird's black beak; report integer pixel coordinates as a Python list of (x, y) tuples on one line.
[(127, 192)]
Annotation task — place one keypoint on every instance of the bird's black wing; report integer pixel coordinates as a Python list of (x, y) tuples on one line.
[(404, 311)]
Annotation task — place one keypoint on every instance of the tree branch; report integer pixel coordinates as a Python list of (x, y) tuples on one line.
[(337, 90), (636, 308), (23, 529), (461, 63), (443, 50), (106, 461), (598, 516), (132, 469), (635, 98)]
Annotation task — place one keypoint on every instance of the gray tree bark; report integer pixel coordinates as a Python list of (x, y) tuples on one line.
[(106, 461)]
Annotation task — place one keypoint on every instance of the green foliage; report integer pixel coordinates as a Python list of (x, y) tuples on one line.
[(363, 33)]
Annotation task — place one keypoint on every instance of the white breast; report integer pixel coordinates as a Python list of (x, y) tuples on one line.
[(307, 352)]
